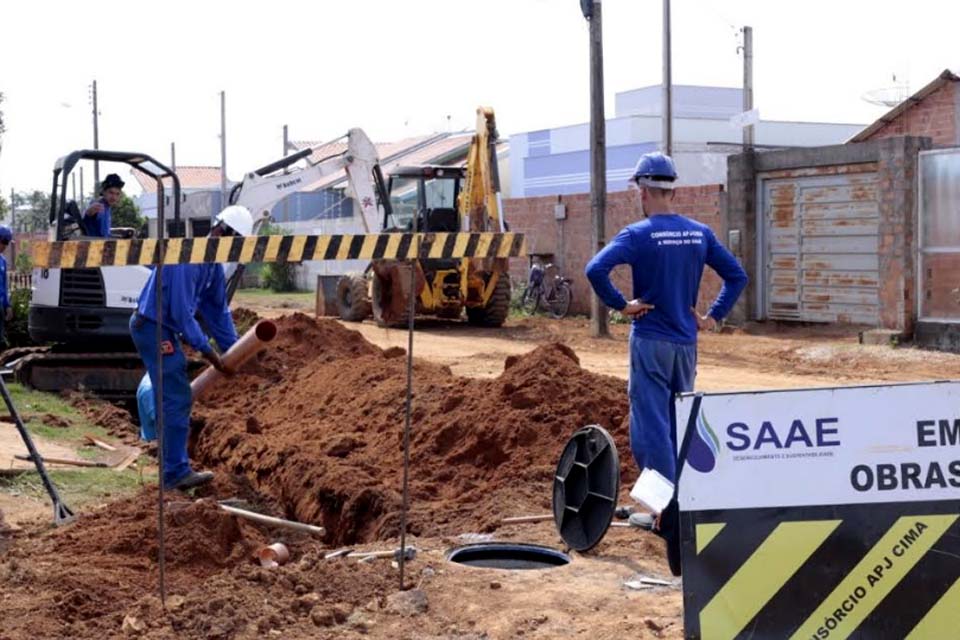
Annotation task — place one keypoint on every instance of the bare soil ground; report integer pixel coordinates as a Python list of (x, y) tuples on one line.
[(761, 356), (323, 447)]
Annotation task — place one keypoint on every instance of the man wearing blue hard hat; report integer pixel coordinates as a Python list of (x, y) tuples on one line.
[(666, 253), (6, 239)]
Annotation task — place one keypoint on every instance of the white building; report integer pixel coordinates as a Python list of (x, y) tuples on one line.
[(557, 161)]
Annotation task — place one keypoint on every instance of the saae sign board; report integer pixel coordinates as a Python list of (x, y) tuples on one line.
[(822, 513)]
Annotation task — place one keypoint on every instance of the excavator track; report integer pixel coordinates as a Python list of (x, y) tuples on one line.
[(10, 355), (113, 376)]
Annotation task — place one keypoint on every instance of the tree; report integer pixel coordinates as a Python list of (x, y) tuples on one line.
[(277, 276), (4, 209), (32, 211), (126, 214)]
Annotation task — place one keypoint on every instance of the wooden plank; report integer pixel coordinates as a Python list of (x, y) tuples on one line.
[(67, 461), (129, 460), (98, 443)]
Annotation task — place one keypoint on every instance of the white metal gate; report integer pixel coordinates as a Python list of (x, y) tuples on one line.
[(938, 259), (821, 261)]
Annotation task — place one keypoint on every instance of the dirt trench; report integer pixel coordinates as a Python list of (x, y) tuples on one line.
[(316, 424)]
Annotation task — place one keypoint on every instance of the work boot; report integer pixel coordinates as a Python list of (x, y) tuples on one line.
[(641, 520), (192, 479)]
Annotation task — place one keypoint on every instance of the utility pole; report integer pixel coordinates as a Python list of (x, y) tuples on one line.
[(223, 149), (748, 85), (592, 11), (286, 141), (96, 138), (81, 188), (73, 181), (667, 83), (173, 156)]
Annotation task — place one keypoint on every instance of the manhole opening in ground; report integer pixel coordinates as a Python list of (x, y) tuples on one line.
[(500, 555)]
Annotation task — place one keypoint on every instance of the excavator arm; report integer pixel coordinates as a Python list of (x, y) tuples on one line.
[(263, 189), (481, 205)]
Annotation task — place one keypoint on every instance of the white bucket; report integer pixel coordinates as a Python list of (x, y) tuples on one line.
[(652, 490)]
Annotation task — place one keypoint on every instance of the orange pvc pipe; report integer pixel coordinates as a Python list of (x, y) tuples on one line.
[(250, 344)]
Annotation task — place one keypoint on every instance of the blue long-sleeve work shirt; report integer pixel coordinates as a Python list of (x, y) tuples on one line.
[(667, 253), (97, 225), (189, 290), (4, 298)]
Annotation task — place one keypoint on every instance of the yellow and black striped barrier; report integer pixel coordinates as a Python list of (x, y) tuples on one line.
[(822, 514), (890, 571), (79, 254)]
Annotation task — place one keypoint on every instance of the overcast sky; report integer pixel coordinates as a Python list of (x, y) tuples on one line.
[(401, 67)]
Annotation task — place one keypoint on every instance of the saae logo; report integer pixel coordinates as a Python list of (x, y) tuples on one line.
[(704, 446), (763, 442)]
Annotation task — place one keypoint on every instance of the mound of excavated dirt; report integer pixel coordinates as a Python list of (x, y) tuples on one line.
[(316, 424), (84, 580), (243, 319)]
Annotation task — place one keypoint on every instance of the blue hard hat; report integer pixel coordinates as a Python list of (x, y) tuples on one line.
[(6, 235), (655, 170)]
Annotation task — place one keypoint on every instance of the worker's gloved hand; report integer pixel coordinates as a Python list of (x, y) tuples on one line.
[(218, 363), (8, 314)]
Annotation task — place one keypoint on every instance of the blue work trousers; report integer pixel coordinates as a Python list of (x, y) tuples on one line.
[(177, 399), (658, 371)]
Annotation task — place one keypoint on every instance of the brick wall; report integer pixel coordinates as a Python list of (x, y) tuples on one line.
[(570, 239), (934, 117), (898, 241)]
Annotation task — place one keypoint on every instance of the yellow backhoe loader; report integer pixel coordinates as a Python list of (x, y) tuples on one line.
[(439, 199)]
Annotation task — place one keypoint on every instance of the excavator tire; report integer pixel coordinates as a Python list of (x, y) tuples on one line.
[(352, 302), (498, 306)]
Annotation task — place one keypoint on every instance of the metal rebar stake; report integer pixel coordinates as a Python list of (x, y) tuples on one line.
[(61, 512), (407, 418), (158, 401)]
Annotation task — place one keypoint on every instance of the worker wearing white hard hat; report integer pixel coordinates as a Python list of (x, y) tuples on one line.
[(189, 291)]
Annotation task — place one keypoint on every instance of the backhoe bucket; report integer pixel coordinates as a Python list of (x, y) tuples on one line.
[(391, 291)]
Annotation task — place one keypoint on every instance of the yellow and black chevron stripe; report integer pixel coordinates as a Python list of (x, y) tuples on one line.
[(78, 254), (882, 571)]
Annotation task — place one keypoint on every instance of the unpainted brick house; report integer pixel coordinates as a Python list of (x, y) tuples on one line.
[(865, 233)]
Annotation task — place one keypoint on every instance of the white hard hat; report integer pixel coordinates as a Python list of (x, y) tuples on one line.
[(236, 217)]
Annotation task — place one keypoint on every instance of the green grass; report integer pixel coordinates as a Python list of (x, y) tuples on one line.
[(33, 405), (80, 486), (76, 486), (266, 297)]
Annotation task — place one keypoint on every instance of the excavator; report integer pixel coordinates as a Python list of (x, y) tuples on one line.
[(438, 199), (83, 313)]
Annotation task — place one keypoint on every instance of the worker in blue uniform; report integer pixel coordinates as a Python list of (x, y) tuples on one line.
[(666, 253), (96, 219), (189, 290), (6, 311)]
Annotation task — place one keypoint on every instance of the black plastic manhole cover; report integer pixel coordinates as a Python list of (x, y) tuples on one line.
[(586, 487), (508, 555)]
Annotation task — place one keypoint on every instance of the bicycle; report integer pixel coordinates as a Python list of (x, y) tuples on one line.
[(551, 294)]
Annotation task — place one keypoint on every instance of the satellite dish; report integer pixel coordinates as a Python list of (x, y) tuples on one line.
[(886, 96), (889, 96)]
